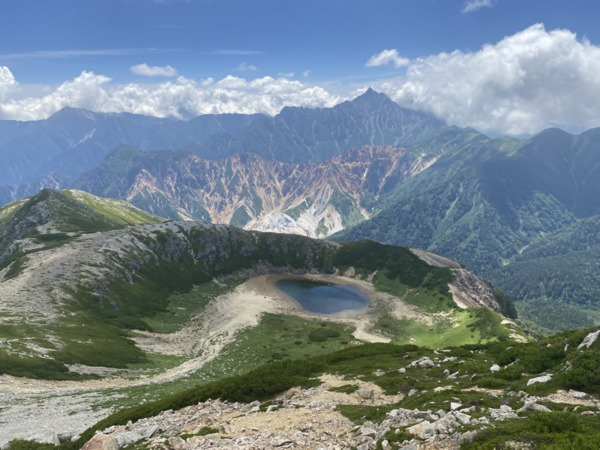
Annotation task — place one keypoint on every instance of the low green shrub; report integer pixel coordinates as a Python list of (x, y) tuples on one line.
[(322, 334)]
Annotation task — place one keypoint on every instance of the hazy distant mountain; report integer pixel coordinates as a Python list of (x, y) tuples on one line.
[(75, 140), (306, 135)]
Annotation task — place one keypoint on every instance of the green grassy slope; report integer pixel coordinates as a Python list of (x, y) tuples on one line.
[(518, 363)]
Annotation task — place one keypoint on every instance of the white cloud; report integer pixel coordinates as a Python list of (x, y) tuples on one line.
[(153, 71), (390, 56), (286, 74), (476, 5), (7, 82), (243, 67), (524, 83), (306, 73), (181, 98)]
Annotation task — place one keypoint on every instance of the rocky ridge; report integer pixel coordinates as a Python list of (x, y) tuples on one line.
[(311, 418)]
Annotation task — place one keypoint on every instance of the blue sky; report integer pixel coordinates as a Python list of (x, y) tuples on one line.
[(503, 66)]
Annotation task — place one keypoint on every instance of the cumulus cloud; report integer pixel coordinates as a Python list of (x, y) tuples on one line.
[(180, 98), (524, 83), (7, 82), (243, 67), (476, 5), (386, 57), (153, 71)]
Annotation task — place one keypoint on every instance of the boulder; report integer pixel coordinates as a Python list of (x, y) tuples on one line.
[(127, 438), (424, 363), (463, 418), (495, 368), (146, 431), (578, 394), (418, 428), (101, 442), (365, 393), (367, 431), (589, 340), (542, 379), (502, 413), (533, 407)]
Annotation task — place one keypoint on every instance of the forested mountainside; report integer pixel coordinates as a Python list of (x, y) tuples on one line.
[(488, 205)]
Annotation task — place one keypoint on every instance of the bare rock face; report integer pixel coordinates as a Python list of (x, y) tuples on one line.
[(468, 290), (248, 191)]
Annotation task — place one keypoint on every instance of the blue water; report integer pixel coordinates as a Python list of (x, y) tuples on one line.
[(329, 299)]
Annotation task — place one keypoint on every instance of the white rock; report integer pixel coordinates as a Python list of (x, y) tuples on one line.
[(589, 340), (365, 393), (495, 368), (366, 431), (455, 405), (533, 407), (542, 379), (418, 428), (127, 438), (402, 370), (463, 418), (424, 363), (146, 431), (578, 394)]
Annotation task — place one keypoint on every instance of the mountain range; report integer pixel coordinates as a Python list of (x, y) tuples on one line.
[(366, 168), (97, 294)]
